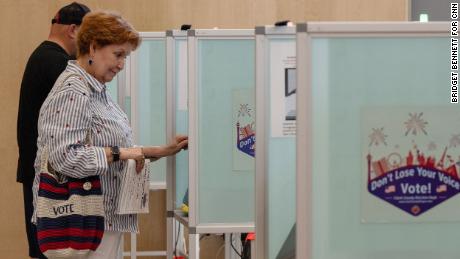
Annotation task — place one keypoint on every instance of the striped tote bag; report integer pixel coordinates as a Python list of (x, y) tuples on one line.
[(70, 214)]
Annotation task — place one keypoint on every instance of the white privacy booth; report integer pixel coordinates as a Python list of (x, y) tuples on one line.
[(221, 133), (377, 142), (275, 130)]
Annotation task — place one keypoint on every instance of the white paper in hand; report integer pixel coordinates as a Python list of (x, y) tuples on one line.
[(134, 193)]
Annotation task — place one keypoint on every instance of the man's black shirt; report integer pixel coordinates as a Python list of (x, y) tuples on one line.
[(43, 68)]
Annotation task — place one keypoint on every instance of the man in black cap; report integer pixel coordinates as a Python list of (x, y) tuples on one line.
[(45, 64)]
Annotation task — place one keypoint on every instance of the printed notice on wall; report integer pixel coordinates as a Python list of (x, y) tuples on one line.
[(283, 88), (244, 139), (410, 164)]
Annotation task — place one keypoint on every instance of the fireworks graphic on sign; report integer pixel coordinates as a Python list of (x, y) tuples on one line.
[(377, 136), (455, 140), (244, 110), (415, 123)]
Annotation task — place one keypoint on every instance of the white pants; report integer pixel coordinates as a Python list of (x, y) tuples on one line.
[(110, 246)]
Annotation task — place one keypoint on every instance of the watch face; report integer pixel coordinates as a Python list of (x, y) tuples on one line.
[(115, 153)]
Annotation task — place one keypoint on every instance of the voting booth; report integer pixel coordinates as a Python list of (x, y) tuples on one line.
[(221, 133), (377, 152)]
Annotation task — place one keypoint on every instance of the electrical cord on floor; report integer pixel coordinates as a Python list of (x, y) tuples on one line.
[(231, 243)]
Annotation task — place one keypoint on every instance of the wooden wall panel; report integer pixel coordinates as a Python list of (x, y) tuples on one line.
[(25, 23), (14, 49)]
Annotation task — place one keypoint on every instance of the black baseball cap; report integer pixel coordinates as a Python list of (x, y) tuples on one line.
[(71, 14)]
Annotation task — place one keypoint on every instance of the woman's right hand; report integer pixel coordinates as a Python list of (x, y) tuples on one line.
[(180, 142), (155, 152)]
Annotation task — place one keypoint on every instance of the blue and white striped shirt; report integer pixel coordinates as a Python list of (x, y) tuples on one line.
[(70, 110)]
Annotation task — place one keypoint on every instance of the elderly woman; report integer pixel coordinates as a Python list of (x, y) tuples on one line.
[(78, 104)]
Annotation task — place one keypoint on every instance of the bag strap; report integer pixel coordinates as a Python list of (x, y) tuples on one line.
[(45, 167)]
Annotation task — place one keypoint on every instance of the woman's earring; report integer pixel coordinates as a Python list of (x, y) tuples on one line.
[(90, 62)]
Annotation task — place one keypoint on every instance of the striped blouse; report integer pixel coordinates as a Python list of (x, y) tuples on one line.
[(70, 110)]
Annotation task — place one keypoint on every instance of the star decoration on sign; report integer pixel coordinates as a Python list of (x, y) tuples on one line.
[(377, 136), (415, 123)]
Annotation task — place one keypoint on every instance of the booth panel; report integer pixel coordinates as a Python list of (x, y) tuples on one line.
[(225, 102), (375, 103), (281, 173), (151, 100), (180, 75)]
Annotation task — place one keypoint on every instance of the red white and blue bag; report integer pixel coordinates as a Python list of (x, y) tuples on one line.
[(70, 212)]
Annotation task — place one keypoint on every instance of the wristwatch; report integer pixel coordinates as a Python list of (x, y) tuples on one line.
[(115, 153)]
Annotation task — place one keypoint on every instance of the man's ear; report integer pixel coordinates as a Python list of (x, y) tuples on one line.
[(72, 31)]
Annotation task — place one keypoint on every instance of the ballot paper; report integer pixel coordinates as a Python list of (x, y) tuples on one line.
[(134, 193)]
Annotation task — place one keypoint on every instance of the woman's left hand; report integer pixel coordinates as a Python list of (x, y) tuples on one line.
[(135, 153), (139, 157)]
